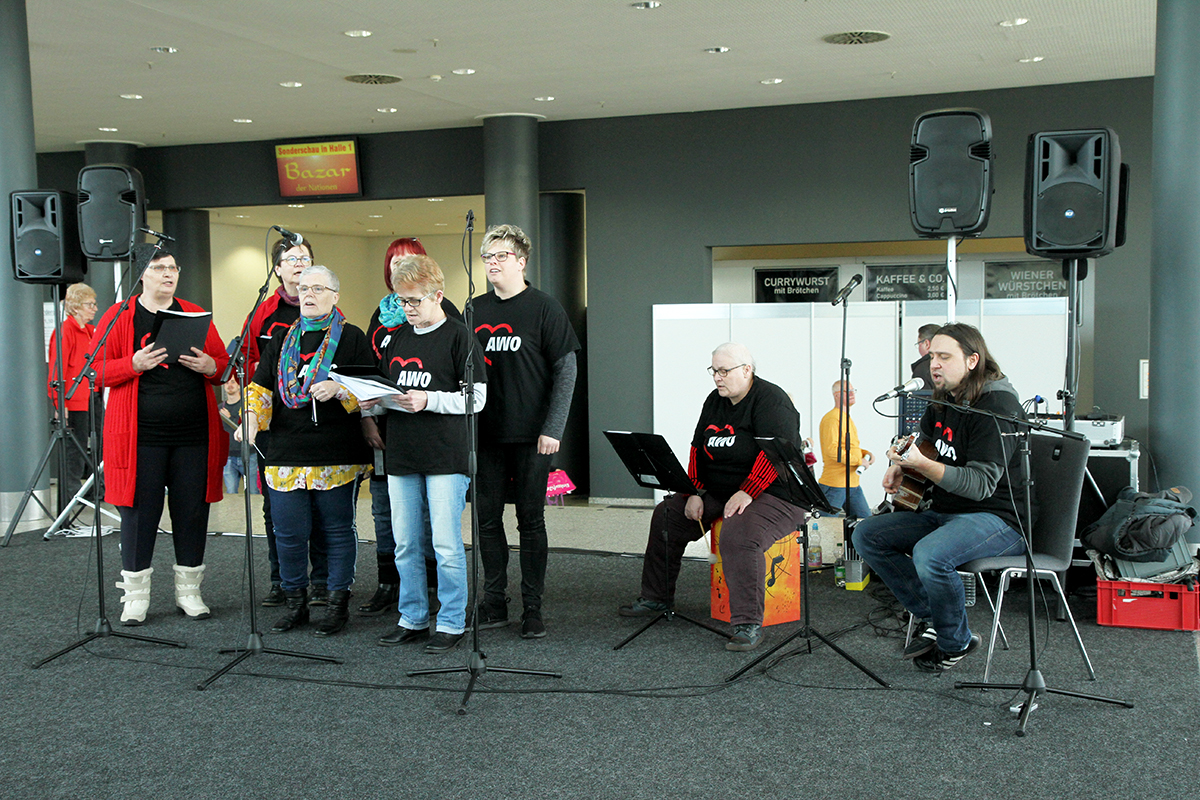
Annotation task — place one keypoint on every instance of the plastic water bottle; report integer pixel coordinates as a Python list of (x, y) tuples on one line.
[(814, 547), (839, 568)]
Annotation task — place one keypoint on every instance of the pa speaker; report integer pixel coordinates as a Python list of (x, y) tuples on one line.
[(1073, 194), (112, 208), (950, 167), (45, 242)]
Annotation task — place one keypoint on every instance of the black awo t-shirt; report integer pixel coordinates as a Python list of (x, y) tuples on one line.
[(724, 440), (522, 338), (429, 443), (172, 408)]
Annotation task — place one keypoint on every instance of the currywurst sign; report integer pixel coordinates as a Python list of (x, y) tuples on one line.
[(795, 285)]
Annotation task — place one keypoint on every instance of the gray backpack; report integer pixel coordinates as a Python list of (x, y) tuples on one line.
[(1141, 526)]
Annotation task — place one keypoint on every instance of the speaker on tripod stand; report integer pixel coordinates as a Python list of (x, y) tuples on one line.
[(45, 238), (950, 173)]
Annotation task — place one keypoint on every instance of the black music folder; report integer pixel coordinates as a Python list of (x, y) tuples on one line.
[(651, 461), (179, 332), (801, 485)]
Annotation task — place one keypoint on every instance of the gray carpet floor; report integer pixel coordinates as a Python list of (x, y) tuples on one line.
[(123, 719)]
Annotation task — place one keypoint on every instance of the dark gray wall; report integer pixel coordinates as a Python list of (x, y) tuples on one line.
[(661, 190)]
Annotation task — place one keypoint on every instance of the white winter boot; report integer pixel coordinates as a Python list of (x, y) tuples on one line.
[(136, 597), (187, 591)]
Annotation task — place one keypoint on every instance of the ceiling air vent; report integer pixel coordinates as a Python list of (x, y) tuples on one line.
[(856, 37), (374, 80)]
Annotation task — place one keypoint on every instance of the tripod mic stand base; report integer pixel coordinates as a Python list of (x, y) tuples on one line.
[(668, 615), (1034, 686), (254, 647), (104, 630), (477, 667)]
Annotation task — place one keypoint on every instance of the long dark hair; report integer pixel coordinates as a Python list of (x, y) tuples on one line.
[(970, 341)]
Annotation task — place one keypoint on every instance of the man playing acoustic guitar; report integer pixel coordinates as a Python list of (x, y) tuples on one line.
[(976, 491)]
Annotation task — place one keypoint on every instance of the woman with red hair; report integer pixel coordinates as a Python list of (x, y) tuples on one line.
[(386, 320)]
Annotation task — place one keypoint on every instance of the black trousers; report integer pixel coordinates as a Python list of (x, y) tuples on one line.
[(518, 468), (181, 474)]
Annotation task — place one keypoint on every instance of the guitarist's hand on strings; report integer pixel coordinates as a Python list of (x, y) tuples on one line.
[(912, 459)]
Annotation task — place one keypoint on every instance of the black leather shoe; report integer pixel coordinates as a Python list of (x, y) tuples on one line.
[(318, 595), (275, 597), (383, 600), (297, 613), (442, 642), (337, 612), (403, 636)]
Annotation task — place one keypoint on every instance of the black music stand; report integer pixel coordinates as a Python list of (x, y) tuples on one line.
[(653, 465), (801, 489)]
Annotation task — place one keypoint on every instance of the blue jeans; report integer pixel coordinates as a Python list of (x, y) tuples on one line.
[(444, 497), (836, 495), (234, 472), (927, 583), (302, 514)]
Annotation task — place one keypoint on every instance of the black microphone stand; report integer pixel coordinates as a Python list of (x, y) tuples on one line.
[(103, 628), (843, 417), (254, 644), (1034, 683), (476, 665)]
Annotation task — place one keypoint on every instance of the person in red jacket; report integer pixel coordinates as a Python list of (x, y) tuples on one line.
[(80, 305), (162, 433)]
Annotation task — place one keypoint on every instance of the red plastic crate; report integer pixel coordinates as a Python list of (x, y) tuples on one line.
[(1136, 604)]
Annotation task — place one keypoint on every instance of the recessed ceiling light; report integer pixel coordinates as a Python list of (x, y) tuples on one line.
[(771, 81), (107, 130), (436, 199), (372, 230), (167, 50), (440, 224), (544, 98), (374, 216), (646, 5), (131, 97), (463, 71), (291, 84), (435, 77), (243, 121), (387, 110), (1012, 23), (241, 216), (1031, 60), (295, 205), (716, 50), (358, 34)]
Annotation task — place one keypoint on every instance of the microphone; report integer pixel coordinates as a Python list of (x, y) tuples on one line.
[(914, 385), (295, 238), (160, 236), (470, 219), (848, 288)]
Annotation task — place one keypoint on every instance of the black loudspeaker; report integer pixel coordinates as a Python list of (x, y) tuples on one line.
[(950, 166), (1073, 194), (112, 207), (45, 241)]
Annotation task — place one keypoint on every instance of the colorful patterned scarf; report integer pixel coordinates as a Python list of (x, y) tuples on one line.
[(294, 392), (391, 312)]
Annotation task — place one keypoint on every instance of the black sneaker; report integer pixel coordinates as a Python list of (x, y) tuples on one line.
[(275, 597), (642, 608), (924, 640), (318, 595), (532, 626), (938, 660), (442, 642), (492, 616), (746, 636)]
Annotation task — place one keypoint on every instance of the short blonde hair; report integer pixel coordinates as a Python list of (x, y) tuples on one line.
[(420, 271), (507, 233), (78, 295)]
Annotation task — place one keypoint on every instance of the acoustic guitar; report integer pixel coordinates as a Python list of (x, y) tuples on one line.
[(913, 485)]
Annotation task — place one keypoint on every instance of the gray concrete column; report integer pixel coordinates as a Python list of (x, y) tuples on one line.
[(564, 277), (510, 178), (193, 251), (24, 427), (1175, 254), (102, 275)]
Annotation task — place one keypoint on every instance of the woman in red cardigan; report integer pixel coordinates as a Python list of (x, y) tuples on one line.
[(80, 305), (161, 431)]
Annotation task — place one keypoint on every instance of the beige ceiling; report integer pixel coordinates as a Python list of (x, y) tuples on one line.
[(374, 218), (597, 58)]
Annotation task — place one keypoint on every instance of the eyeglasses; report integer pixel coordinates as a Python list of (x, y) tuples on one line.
[(316, 290), (292, 261), (723, 371), (408, 302), (161, 268), (89, 304), (499, 257)]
